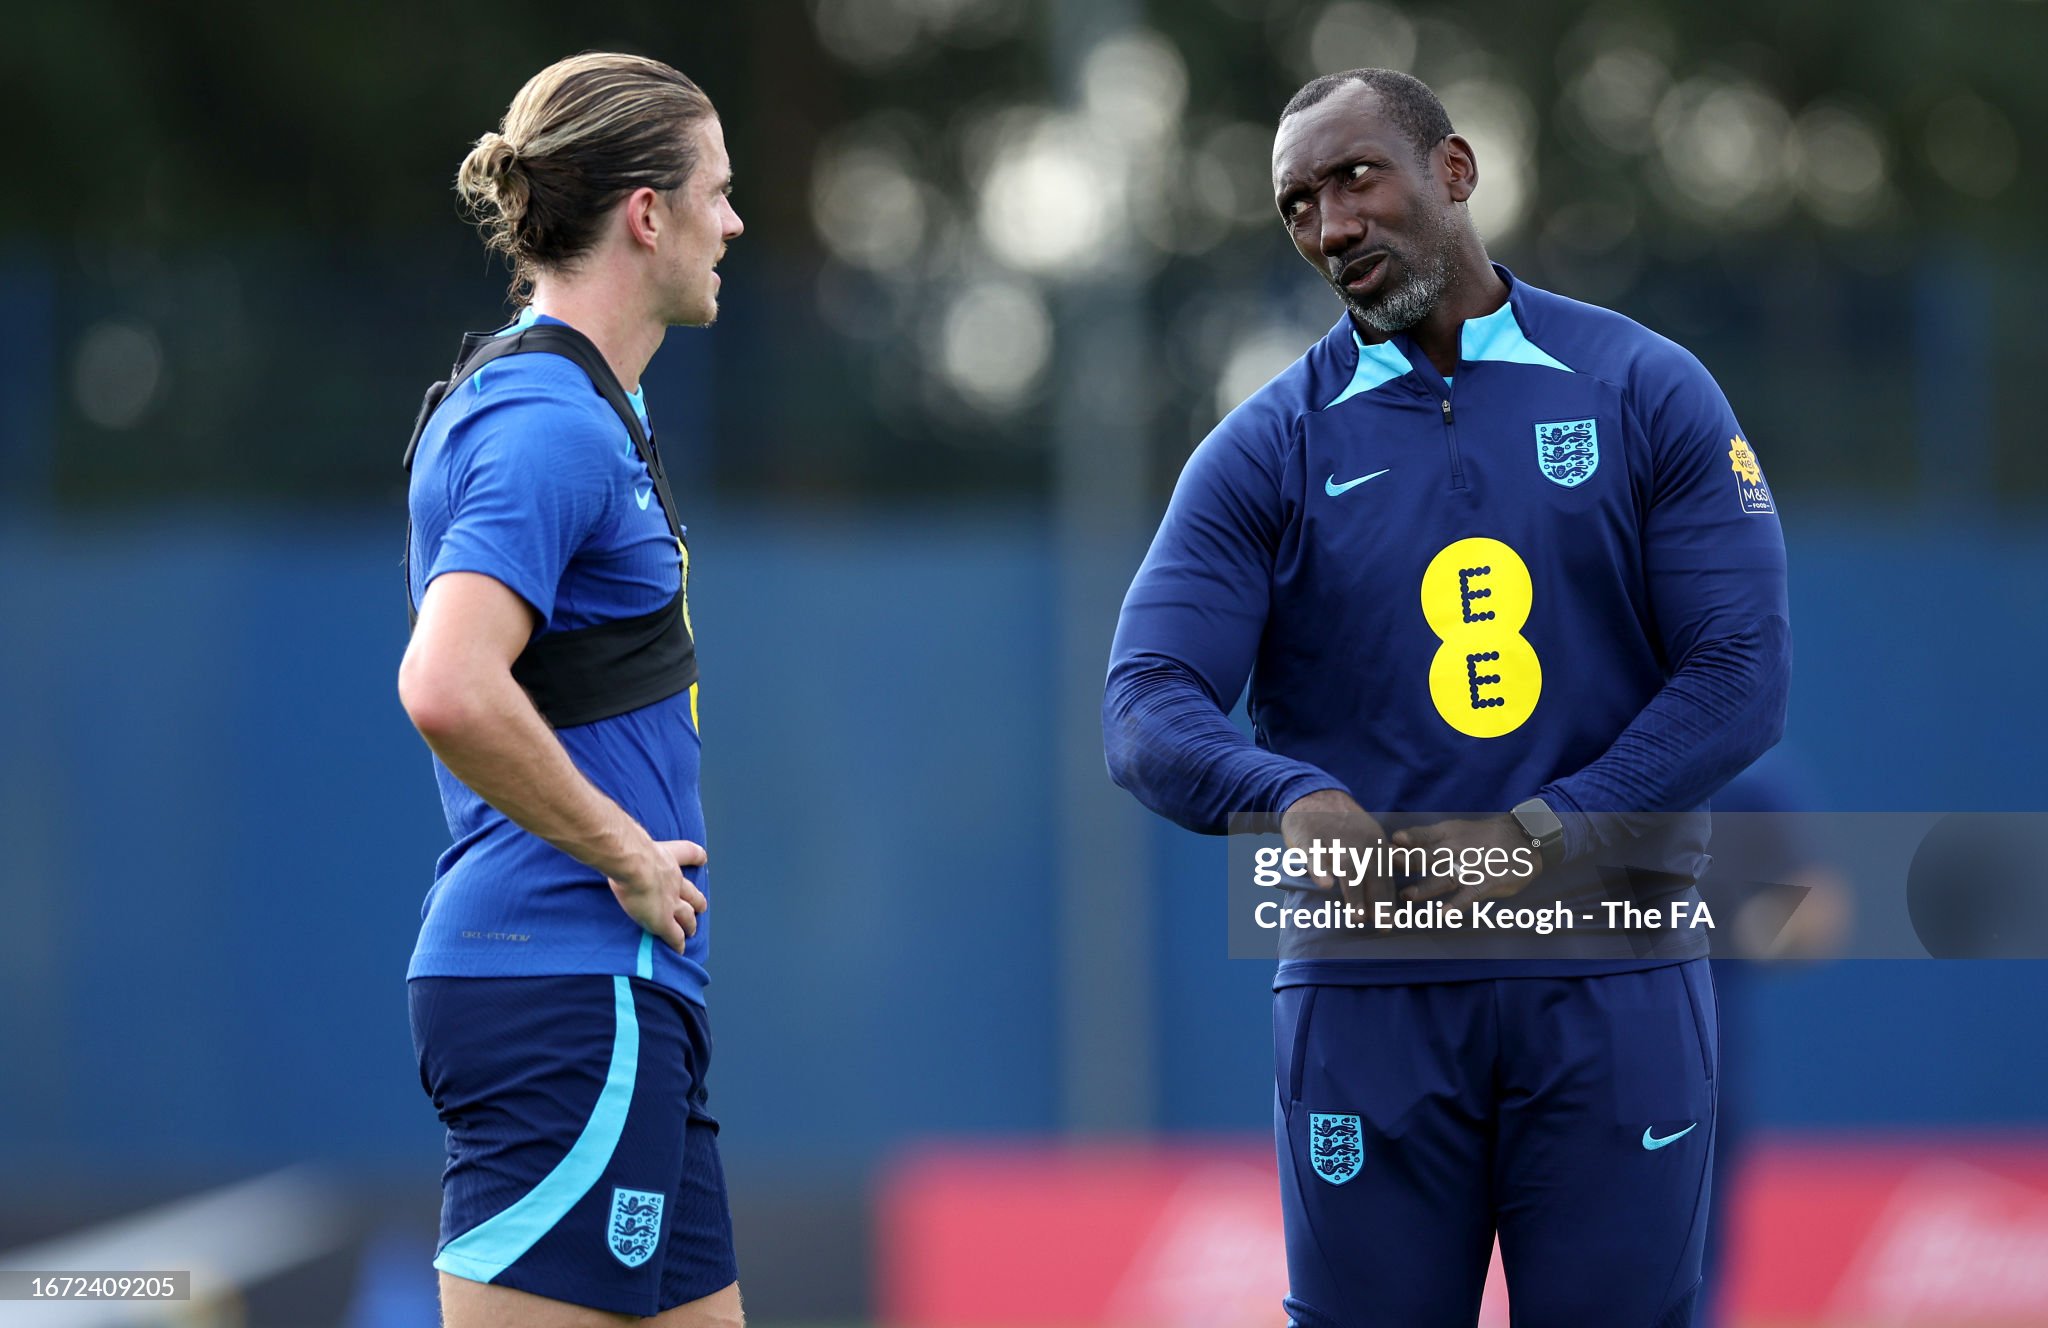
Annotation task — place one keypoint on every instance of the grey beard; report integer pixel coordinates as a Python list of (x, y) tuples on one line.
[(1413, 300), (1402, 308)]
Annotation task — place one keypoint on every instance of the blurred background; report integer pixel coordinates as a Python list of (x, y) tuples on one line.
[(981, 1058)]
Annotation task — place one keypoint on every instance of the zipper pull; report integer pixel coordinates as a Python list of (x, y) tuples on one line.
[(1447, 410)]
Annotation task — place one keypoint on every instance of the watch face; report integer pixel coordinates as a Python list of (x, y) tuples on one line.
[(1538, 821)]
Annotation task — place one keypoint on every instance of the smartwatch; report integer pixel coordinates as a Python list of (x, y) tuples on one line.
[(1542, 826)]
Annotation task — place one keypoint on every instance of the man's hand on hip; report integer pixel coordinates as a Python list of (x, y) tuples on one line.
[(656, 894)]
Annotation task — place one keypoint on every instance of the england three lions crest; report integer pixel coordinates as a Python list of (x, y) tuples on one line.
[(1568, 451), (1336, 1146), (635, 1229)]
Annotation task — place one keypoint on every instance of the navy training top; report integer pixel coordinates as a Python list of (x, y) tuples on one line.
[(1558, 573)]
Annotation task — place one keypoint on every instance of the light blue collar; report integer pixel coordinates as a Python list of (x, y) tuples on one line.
[(1498, 336), (1379, 363)]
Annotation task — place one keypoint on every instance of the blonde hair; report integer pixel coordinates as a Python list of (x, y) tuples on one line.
[(582, 134)]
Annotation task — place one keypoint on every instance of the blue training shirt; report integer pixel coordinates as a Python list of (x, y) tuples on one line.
[(526, 475), (1559, 573)]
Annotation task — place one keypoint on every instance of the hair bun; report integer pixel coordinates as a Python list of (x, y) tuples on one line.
[(492, 177), (500, 158)]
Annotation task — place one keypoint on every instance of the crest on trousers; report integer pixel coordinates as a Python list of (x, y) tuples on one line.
[(1336, 1146), (635, 1228), (1568, 451)]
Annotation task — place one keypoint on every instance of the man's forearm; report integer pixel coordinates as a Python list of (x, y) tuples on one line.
[(496, 743), (1723, 708), (1167, 742)]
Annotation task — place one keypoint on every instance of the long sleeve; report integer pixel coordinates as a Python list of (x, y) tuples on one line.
[(1715, 561), (1187, 637)]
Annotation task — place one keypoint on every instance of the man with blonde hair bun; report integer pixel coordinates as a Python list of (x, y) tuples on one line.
[(557, 989)]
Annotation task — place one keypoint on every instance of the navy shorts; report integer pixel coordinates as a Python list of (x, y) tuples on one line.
[(582, 1165), (1573, 1117)]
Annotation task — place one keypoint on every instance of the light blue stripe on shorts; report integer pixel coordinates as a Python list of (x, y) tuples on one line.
[(488, 1249)]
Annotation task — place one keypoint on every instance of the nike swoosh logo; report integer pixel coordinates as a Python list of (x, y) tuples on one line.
[(1331, 487), (642, 496), (1653, 1143)]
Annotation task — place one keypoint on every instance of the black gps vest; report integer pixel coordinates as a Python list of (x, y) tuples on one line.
[(583, 674)]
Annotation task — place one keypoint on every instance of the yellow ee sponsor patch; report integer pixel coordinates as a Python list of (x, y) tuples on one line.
[(1485, 679)]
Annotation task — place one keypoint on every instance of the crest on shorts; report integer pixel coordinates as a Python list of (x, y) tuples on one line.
[(635, 1228), (1336, 1146), (1568, 451)]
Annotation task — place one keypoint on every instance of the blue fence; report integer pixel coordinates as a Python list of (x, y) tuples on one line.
[(216, 827)]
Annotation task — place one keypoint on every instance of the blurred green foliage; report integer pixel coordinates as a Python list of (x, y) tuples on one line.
[(264, 190), (184, 122)]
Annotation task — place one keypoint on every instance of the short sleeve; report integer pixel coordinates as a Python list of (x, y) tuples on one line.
[(527, 486)]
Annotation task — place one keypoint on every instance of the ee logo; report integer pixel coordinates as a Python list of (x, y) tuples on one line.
[(1485, 677)]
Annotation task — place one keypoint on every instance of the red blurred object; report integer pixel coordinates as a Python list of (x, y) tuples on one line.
[(1921, 1231), (1945, 1231), (1100, 1234)]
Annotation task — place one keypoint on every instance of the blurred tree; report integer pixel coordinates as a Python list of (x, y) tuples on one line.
[(222, 192)]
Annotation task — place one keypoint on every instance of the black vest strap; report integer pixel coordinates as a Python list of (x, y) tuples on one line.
[(583, 674)]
